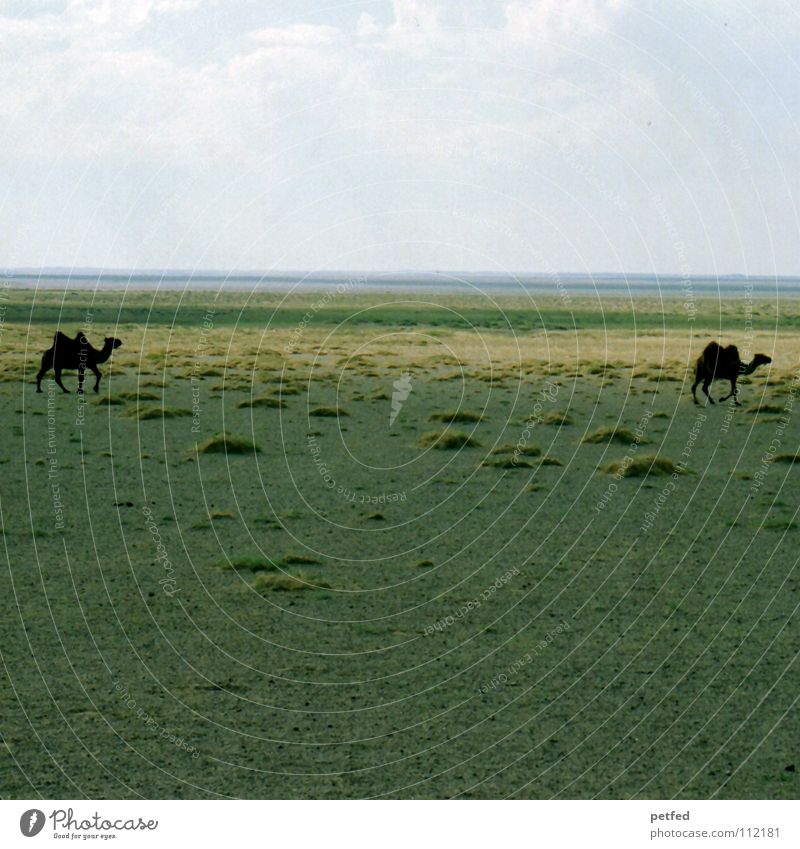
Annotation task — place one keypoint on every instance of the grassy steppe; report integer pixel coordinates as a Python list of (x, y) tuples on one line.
[(281, 594)]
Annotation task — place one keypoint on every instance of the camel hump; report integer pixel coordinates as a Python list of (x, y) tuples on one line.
[(712, 353), (60, 338), (732, 352)]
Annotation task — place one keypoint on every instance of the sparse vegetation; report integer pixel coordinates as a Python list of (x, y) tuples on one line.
[(780, 525), (550, 461), (447, 440), (639, 467), (140, 396), (263, 401), (245, 563), (227, 443), (266, 582), (507, 463), (522, 450), (452, 416), (556, 417), (765, 408), (300, 560), (622, 436), (328, 412), (144, 414)]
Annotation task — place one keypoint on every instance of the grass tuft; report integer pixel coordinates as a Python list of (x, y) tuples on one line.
[(452, 416), (300, 560), (328, 412), (765, 408), (640, 467), (622, 436), (140, 396), (144, 414), (264, 401), (556, 417), (507, 463), (267, 583), (550, 461), (227, 443), (447, 440), (522, 450), (245, 563)]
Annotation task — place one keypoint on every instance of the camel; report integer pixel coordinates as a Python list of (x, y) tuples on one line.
[(718, 363), (77, 354)]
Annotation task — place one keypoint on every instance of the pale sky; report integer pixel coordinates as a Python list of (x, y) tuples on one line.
[(526, 135)]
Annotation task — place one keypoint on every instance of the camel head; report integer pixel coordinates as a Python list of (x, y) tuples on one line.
[(758, 360), (111, 342)]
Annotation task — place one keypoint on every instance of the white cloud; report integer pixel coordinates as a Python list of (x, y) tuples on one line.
[(558, 18), (485, 93), (297, 35), (367, 26)]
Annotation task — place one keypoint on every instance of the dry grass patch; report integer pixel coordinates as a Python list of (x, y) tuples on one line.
[(264, 401), (300, 560), (144, 414), (524, 450), (640, 467), (245, 563), (228, 443), (765, 408), (507, 463), (447, 440), (328, 412), (556, 417), (622, 436), (268, 582), (451, 416), (140, 396), (550, 461)]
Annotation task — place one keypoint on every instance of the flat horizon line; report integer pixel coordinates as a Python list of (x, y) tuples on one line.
[(65, 271)]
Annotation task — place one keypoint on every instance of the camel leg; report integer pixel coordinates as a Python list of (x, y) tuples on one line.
[(706, 384), (694, 387), (81, 376), (98, 376), (732, 394), (58, 380), (47, 364)]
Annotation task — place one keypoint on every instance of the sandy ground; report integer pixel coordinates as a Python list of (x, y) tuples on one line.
[(355, 610)]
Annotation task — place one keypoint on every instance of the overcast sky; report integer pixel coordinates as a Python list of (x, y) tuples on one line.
[(537, 135)]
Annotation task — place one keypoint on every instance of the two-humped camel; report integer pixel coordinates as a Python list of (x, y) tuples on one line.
[(77, 354), (718, 363)]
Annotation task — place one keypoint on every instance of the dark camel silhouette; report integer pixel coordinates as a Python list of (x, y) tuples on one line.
[(77, 354), (718, 363)]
